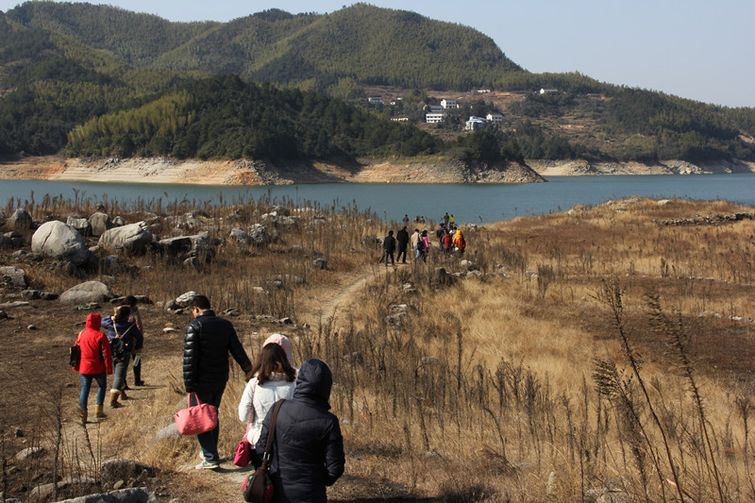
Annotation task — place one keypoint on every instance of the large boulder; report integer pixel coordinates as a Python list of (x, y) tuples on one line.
[(197, 246), (259, 235), (84, 293), (61, 241), (20, 220), (132, 238), (99, 223)]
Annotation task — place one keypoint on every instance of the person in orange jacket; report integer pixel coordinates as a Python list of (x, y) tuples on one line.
[(95, 364)]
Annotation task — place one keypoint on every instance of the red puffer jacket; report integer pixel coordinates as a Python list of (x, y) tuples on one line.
[(96, 357)]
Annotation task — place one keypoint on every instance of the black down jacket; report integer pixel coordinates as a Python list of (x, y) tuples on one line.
[(308, 447), (208, 341)]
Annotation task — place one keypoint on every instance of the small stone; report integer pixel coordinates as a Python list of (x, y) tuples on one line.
[(30, 453), (31, 327), (232, 312), (286, 321), (3, 315), (18, 432), (118, 485), (169, 330), (17, 304), (320, 263)]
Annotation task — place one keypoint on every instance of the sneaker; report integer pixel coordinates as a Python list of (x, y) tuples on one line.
[(207, 465)]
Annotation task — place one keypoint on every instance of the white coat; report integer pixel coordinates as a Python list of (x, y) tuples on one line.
[(258, 399)]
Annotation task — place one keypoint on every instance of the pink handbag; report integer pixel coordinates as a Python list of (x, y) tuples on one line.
[(243, 455), (196, 419)]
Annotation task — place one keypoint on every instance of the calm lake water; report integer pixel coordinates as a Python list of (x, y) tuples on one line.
[(470, 203)]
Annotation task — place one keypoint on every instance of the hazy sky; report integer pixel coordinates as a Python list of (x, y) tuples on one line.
[(699, 49)]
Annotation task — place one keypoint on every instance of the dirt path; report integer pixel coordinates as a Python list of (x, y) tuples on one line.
[(324, 304)]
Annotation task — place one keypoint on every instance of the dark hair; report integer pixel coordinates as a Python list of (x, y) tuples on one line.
[(390, 233), (122, 313), (272, 358), (200, 302), (129, 301)]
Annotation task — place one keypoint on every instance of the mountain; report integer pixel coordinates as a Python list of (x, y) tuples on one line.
[(78, 77), (366, 43)]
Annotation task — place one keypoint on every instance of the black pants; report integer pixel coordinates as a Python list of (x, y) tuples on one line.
[(385, 257), (401, 254), (209, 441), (137, 367)]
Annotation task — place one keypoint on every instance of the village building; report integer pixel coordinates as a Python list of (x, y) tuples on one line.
[(495, 118), (434, 109), (400, 119), (474, 123), (375, 100), (435, 118), (548, 91), (448, 104)]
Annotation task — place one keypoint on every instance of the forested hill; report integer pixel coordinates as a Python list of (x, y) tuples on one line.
[(369, 44)]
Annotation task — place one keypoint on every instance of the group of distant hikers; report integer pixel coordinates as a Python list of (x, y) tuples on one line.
[(449, 237), (307, 446)]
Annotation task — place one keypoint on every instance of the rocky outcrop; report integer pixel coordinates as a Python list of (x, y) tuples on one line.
[(99, 223), (19, 221), (58, 240)]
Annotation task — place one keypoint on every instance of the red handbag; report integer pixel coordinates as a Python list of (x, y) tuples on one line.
[(196, 419), (243, 455)]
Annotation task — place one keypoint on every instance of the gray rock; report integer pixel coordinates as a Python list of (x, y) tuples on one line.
[(184, 300), (130, 495), (58, 240), (89, 291), (197, 246), (239, 236), (16, 304), (20, 220), (259, 235), (99, 223), (80, 224), (31, 453), (468, 265), (132, 238), (14, 276), (123, 469), (320, 263), (31, 327), (39, 295), (5, 242), (118, 221)]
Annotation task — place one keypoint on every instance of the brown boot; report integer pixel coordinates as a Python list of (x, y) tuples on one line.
[(83, 416), (114, 394), (100, 412)]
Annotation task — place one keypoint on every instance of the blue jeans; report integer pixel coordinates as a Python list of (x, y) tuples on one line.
[(209, 441), (86, 384)]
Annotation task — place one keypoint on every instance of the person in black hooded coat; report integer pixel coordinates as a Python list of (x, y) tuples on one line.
[(308, 446)]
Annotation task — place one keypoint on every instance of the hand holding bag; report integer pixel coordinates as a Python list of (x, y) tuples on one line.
[(258, 488), (196, 419)]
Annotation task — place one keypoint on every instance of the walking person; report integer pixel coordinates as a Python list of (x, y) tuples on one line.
[(446, 219), (447, 242), (273, 380), (459, 242), (208, 342), (402, 238), (425, 244), (124, 337), (389, 248), (95, 364), (413, 240), (308, 446), (137, 356), (405, 220)]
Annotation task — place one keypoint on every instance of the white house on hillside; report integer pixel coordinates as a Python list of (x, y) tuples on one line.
[(447, 104), (375, 100), (435, 118), (400, 119), (474, 123), (434, 109), (548, 91), (495, 118)]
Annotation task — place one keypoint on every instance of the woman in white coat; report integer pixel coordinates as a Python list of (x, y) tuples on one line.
[(273, 380)]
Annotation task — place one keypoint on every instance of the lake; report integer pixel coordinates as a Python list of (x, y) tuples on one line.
[(470, 203)]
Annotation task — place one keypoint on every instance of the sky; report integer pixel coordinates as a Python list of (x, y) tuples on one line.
[(697, 49)]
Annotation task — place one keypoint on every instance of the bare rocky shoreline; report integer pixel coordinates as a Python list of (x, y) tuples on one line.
[(423, 170)]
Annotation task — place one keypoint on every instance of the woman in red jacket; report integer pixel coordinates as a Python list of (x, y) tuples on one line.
[(96, 362)]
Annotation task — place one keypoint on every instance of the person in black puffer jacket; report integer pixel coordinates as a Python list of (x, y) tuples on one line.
[(208, 341), (308, 446)]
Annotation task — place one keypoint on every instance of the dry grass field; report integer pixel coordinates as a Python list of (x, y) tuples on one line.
[(605, 354)]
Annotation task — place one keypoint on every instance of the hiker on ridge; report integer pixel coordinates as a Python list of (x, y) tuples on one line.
[(95, 364), (307, 446), (389, 248), (402, 238), (208, 342)]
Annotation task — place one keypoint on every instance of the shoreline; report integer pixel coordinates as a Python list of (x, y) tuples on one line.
[(412, 171)]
